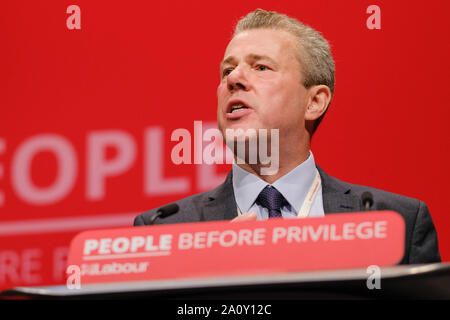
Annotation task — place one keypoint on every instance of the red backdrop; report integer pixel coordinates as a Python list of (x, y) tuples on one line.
[(137, 70)]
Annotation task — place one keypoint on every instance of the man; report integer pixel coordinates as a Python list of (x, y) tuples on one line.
[(279, 74)]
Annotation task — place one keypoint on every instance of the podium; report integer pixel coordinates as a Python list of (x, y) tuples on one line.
[(345, 256), (426, 281)]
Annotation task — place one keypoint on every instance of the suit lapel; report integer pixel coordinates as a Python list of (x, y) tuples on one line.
[(220, 204), (337, 195)]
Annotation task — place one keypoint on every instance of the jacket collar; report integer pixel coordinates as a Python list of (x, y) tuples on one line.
[(220, 203), (337, 195)]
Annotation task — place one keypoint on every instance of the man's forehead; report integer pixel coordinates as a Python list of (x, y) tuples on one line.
[(257, 44)]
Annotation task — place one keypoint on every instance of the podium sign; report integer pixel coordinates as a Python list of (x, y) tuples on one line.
[(202, 249)]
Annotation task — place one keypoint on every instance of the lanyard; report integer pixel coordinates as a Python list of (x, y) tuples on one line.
[(306, 206)]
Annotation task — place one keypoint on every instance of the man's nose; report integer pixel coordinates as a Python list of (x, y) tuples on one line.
[(237, 80)]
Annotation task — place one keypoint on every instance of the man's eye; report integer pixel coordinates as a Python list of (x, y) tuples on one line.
[(261, 67), (226, 72)]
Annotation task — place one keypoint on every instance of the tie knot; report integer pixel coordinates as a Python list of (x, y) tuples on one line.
[(271, 199)]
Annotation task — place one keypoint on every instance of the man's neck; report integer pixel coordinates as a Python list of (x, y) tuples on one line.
[(286, 165)]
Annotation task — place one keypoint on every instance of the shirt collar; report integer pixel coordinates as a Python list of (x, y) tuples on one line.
[(294, 186), (247, 187)]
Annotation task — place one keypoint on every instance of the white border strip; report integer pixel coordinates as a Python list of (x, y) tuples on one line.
[(41, 226), (127, 255)]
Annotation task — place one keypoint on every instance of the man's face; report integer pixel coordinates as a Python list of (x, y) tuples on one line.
[(261, 84)]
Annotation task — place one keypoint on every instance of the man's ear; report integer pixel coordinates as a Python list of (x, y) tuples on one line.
[(319, 99)]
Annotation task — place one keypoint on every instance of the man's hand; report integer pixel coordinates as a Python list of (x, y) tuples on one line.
[(245, 217)]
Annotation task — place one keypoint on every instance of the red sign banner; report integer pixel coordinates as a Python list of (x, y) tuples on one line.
[(204, 249)]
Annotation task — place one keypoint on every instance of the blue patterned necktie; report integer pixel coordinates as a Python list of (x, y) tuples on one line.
[(271, 199)]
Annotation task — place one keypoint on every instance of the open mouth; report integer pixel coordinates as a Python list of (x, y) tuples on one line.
[(237, 107)]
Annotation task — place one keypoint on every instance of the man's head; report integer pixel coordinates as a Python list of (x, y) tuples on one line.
[(281, 70)]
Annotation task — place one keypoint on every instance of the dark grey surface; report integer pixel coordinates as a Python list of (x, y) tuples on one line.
[(427, 281)]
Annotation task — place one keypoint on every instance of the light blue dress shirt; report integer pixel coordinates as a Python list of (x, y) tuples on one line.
[(294, 186)]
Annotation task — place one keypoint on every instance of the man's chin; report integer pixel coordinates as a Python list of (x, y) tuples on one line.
[(240, 132)]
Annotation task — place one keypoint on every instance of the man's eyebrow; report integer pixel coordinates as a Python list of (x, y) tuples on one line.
[(251, 57), (256, 57), (229, 59)]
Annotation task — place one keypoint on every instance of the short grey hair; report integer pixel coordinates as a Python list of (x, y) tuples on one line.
[(314, 52)]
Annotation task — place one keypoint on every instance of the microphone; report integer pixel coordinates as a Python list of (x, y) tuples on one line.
[(164, 212), (367, 200)]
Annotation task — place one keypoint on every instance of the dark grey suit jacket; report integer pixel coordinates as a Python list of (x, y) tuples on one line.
[(421, 244)]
